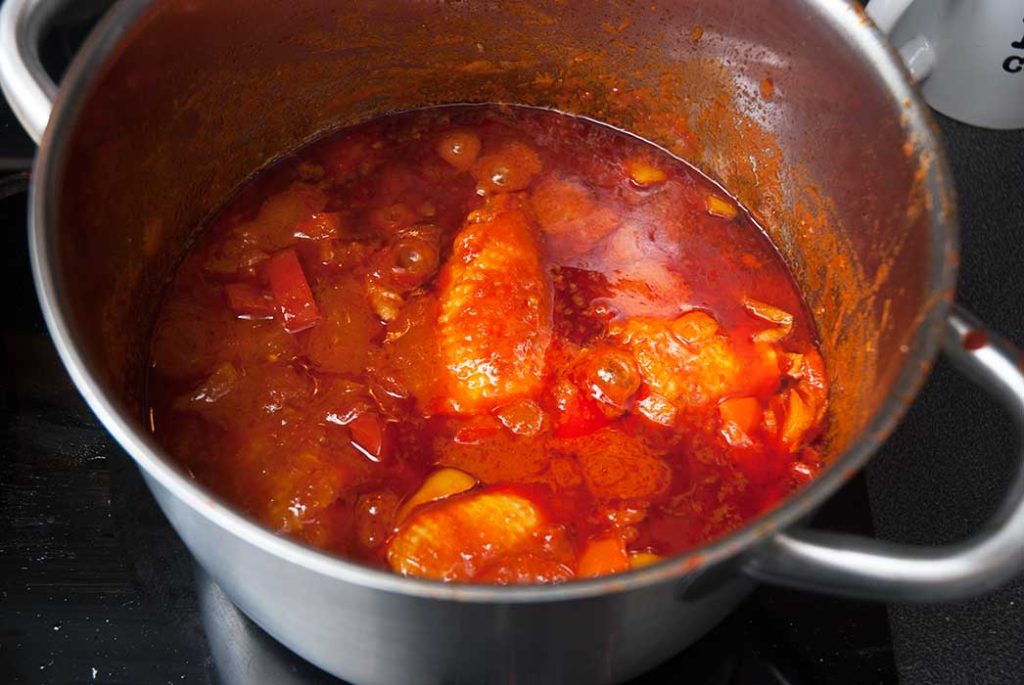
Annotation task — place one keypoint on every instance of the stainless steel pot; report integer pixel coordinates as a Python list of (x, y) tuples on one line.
[(799, 107)]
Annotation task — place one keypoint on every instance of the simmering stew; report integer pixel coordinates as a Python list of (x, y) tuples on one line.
[(489, 344)]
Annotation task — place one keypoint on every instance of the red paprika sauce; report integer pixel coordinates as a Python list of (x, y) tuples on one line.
[(489, 344)]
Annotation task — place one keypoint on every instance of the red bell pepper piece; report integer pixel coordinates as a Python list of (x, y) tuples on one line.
[(291, 292), (248, 301), (322, 226), (367, 433)]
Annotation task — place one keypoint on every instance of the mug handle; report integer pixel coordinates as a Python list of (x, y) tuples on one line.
[(860, 567), (918, 53), (25, 83)]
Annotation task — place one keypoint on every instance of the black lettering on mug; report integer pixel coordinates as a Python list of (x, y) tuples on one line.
[(1018, 44), (1015, 63)]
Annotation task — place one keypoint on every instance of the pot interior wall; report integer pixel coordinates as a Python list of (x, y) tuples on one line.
[(770, 101)]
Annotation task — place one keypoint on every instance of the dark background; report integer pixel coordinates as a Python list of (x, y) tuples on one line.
[(94, 585)]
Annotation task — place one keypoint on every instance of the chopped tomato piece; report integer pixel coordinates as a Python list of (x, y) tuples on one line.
[(367, 433), (575, 413), (603, 556), (291, 292), (744, 412), (301, 485), (459, 148), (409, 352), (507, 169), (559, 203), (249, 302), (740, 416), (609, 376), (273, 227), (406, 263)]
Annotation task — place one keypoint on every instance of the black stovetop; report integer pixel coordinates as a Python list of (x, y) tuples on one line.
[(95, 586)]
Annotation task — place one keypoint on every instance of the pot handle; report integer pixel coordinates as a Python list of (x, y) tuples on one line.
[(861, 567), (26, 85)]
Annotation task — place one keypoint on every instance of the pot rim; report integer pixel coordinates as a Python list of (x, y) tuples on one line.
[(846, 19)]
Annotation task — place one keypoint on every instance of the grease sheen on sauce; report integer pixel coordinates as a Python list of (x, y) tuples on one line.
[(489, 344)]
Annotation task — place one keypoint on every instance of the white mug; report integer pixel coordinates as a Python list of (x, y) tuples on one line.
[(968, 55)]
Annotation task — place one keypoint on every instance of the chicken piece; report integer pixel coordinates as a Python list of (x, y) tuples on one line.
[(688, 362), (688, 372), (457, 538), (495, 322)]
